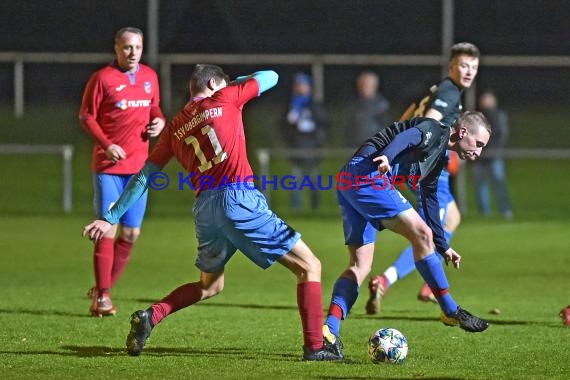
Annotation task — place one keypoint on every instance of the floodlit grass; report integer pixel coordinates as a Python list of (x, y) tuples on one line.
[(252, 329)]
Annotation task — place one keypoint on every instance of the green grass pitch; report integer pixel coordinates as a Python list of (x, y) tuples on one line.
[(252, 329)]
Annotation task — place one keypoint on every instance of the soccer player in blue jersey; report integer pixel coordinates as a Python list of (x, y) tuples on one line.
[(409, 148), (207, 138), (443, 102)]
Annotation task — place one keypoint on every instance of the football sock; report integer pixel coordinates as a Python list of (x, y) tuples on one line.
[(310, 304), (334, 317), (404, 264), (103, 263), (432, 271), (120, 259), (389, 277), (179, 298), (344, 295)]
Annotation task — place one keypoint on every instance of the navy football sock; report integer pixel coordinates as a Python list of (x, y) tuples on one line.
[(344, 295), (432, 271)]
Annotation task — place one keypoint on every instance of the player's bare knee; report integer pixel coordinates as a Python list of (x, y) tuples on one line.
[(451, 224), (358, 272), (315, 264), (130, 234), (423, 238), (310, 269), (453, 217)]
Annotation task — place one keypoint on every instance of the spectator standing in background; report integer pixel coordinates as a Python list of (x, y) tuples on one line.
[(490, 169), (305, 127), (368, 112)]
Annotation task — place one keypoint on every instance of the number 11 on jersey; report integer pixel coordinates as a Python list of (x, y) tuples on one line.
[(220, 155)]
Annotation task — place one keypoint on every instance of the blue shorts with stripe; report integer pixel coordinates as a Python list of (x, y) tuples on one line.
[(107, 189), (237, 217), (367, 201)]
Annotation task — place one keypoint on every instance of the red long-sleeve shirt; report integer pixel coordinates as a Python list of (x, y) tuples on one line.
[(116, 108)]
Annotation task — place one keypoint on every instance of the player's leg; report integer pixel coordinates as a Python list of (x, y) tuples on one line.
[(130, 229), (347, 286), (410, 225), (362, 207), (404, 265), (359, 237), (143, 321), (123, 246), (307, 268), (264, 238), (378, 285), (106, 189), (214, 251), (450, 218)]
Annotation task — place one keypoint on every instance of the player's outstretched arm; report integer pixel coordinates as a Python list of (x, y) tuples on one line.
[(265, 78)]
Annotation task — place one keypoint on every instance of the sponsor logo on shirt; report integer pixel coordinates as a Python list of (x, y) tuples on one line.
[(124, 103), (440, 103), (120, 88), (428, 136), (147, 87)]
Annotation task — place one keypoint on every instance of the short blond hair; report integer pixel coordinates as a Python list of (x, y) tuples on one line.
[(472, 120)]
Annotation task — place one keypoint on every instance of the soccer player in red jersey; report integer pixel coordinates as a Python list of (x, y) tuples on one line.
[(207, 138), (120, 111)]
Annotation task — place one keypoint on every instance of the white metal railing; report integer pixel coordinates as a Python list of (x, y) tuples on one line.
[(316, 61), (66, 152)]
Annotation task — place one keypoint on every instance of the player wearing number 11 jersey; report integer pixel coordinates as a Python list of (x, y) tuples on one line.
[(207, 138)]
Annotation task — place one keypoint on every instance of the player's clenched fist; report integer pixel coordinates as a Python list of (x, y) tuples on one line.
[(97, 229), (115, 153)]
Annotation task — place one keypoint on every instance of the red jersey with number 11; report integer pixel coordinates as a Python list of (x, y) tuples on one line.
[(207, 138)]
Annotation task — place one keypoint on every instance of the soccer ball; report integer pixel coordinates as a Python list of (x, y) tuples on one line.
[(387, 345)]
